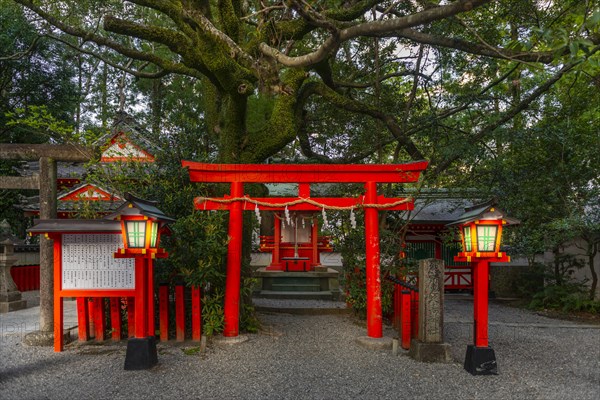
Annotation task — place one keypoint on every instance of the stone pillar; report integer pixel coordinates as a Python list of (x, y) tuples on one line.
[(10, 297), (430, 346), (45, 336)]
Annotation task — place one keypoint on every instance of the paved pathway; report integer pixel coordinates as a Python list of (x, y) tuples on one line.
[(316, 357)]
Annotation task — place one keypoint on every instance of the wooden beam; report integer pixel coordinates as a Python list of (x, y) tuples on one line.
[(59, 152), (20, 182), (305, 173)]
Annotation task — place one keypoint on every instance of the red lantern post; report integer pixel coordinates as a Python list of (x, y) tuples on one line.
[(141, 224), (481, 234)]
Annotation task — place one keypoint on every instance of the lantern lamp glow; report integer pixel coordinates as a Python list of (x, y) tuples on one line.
[(481, 232), (141, 224)]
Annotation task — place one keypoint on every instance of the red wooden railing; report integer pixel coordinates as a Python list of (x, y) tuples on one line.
[(458, 278), (26, 277), (93, 312)]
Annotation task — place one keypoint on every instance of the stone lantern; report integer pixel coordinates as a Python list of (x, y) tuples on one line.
[(10, 297)]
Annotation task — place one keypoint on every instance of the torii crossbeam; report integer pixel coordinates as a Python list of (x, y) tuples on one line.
[(304, 175)]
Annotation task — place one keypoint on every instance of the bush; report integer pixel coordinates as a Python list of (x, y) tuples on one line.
[(567, 297)]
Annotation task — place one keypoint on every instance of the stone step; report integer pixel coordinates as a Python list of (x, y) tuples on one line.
[(295, 287), (300, 306), (272, 294)]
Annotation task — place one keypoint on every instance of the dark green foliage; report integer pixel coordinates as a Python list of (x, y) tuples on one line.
[(566, 297)]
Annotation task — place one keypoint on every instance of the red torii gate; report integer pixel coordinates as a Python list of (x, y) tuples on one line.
[(304, 175)]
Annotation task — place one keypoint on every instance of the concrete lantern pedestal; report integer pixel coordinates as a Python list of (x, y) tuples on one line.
[(10, 296)]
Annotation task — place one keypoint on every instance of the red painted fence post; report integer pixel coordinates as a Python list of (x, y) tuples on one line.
[(196, 314), (82, 319), (115, 318), (99, 317), (405, 331), (163, 310), (179, 313), (414, 313)]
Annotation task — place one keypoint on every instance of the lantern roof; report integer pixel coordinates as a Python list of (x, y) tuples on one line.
[(137, 206), (484, 211)]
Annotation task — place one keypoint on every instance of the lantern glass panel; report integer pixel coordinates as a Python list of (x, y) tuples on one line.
[(136, 233), (486, 237), (153, 234), (467, 238)]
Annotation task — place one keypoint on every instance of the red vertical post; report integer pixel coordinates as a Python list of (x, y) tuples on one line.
[(196, 314), (99, 317), (131, 317), (414, 313), (481, 304), (315, 243), (115, 318), (179, 313), (438, 249), (374, 316), (234, 260), (141, 309), (474, 271), (276, 258), (163, 309), (82, 319), (151, 328), (92, 323), (405, 326), (58, 300)]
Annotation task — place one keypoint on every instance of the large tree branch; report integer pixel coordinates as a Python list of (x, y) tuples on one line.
[(167, 65), (389, 121), (473, 48), (24, 53), (306, 147), (135, 72), (371, 28), (175, 41), (171, 9), (381, 79)]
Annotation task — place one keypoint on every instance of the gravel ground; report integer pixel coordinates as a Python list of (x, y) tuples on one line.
[(315, 357)]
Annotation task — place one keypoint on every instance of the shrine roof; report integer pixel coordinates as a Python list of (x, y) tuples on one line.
[(71, 206), (438, 211), (126, 124), (64, 170)]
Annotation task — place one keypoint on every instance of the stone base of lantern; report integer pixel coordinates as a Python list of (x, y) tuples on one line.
[(11, 301)]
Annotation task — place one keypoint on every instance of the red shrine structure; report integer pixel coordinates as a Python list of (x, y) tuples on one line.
[(296, 246), (306, 174)]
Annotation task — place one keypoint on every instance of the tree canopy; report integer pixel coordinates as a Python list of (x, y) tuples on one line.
[(351, 81)]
